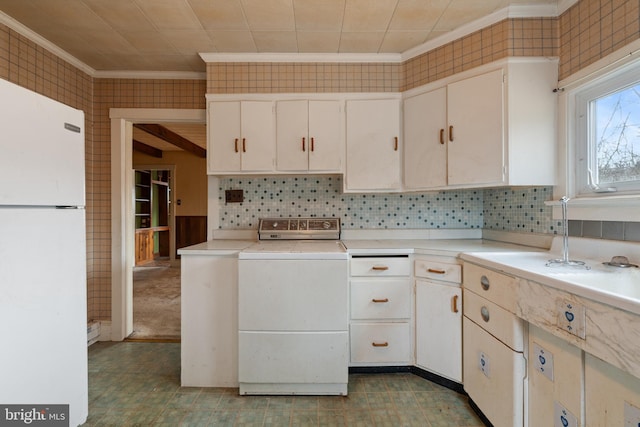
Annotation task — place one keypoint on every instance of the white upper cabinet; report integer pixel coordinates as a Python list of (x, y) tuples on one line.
[(373, 145), (241, 136), (474, 132), (309, 135), (425, 142), (495, 126)]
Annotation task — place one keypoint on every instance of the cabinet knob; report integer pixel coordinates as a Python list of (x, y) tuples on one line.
[(380, 300), (484, 282), (380, 344), (484, 313)]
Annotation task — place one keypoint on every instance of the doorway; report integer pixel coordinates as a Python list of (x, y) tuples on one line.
[(122, 204), (156, 272)]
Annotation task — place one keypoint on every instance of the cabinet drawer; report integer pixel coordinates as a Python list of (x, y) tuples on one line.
[(380, 299), (500, 323), (496, 287), (438, 270), (381, 343), (380, 266)]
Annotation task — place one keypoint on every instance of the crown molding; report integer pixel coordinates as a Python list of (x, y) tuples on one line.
[(44, 43), (393, 58)]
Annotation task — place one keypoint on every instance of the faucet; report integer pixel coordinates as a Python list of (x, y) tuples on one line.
[(565, 261)]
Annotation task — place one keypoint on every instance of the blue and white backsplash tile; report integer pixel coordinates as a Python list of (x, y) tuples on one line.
[(321, 196), (519, 209)]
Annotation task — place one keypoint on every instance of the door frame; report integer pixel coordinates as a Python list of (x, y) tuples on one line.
[(122, 224)]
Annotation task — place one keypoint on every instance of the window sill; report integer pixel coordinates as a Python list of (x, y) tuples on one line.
[(604, 208)]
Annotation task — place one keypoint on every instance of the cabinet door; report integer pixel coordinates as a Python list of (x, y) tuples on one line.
[(425, 140), (476, 152), (258, 136), (555, 379), (325, 136), (292, 123), (223, 153), (373, 153), (439, 329), (612, 396)]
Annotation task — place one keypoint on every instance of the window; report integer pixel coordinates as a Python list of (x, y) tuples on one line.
[(608, 134)]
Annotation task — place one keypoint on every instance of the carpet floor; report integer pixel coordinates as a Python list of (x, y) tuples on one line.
[(156, 302)]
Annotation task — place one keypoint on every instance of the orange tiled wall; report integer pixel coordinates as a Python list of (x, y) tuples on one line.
[(592, 29), (586, 32), (124, 93), (513, 37), (29, 65)]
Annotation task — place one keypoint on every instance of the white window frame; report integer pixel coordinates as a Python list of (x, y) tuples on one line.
[(621, 205), (623, 77)]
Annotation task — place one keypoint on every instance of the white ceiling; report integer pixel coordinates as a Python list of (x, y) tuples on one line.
[(167, 35)]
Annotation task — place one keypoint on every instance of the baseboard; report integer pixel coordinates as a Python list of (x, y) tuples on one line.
[(434, 378)]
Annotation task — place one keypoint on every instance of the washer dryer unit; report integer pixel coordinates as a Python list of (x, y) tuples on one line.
[(293, 309)]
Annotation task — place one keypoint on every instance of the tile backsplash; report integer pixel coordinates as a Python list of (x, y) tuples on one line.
[(510, 209), (322, 196)]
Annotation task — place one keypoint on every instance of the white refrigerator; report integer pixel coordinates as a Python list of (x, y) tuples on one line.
[(43, 280)]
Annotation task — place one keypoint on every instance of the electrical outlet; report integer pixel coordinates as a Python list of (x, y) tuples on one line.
[(543, 361), (233, 196)]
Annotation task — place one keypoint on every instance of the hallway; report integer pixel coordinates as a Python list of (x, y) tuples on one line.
[(156, 302)]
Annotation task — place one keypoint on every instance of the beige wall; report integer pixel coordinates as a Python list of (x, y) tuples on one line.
[(585, 33), (189, 179)]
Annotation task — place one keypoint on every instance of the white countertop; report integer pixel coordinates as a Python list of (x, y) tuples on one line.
[(295, 249), (217, 247), (450, 247), (618, 287)]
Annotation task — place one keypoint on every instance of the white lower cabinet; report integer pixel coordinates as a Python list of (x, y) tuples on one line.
[(439, 317), (493, 376), (555, 381), (612, 396), (209, 339), (381, 343), (381, 303)]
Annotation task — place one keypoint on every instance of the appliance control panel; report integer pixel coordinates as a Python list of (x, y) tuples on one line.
[(299, 229)]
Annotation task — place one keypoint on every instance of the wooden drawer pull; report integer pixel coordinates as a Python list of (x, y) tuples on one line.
[(454, 304), (395, 145), (380, 344), (244, 145), (236, 145), (442, 136), (313, 144), (380, 268), (433, 270), (303, 144), (380, 300), (451, 133)]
